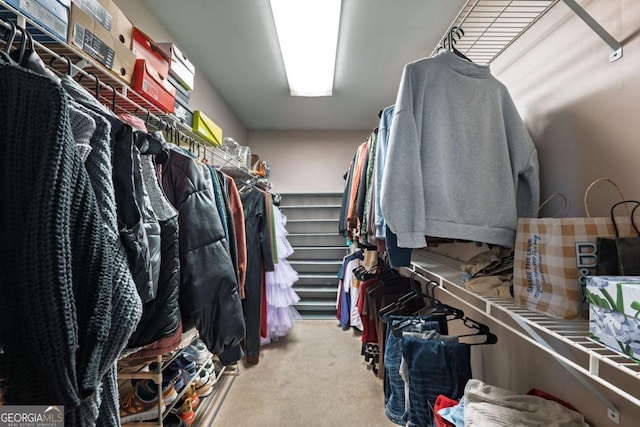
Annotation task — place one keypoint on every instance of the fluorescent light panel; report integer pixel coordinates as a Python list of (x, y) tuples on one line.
[(308, 35)]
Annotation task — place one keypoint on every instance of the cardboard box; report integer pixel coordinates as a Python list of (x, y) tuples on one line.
[(180, 67), (52, 15), (102, 13), (148, 83), (110, 48), (207, 128), (145, 48), (614, 308), (181, 92), (183, 111)]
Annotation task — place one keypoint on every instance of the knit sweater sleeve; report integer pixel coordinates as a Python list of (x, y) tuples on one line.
[(402, 193)]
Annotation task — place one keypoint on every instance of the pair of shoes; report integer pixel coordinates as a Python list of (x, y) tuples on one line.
[(141, 403), (183, 370), (192, 395), (205, 389), (173, 377), (197, 351), (202, 378), (169, 393), (210, 367), (185, 413)]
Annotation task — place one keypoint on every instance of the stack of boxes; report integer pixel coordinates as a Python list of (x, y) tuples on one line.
[(182, 78), (100, 29), (151, 78)]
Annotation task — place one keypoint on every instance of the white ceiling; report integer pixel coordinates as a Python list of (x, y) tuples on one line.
[(234, 43)]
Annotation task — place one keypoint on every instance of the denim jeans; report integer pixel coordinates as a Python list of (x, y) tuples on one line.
[(393, 383), (434, 367)]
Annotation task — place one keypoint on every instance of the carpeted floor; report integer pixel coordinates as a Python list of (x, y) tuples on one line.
[(313, 377)]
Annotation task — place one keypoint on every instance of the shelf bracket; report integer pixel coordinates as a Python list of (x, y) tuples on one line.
[(612, 411), (615, 45)]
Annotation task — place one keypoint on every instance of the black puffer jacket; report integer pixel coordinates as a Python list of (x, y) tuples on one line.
[(139, 230), (208, 282)]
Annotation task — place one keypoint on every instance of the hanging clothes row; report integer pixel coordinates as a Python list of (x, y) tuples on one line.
[(116, 240)]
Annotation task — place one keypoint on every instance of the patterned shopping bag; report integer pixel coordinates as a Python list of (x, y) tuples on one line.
[(554, 256)]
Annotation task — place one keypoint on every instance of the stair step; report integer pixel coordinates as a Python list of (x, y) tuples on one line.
[(319, 315), (319, 252), (317, 279), (309, 207), (303, 266), (316, 305), (316, 239), (311, 292), (294, 199), (298, 212), (313, 226)]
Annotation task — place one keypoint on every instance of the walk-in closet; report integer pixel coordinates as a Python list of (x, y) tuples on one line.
[(320, 212)]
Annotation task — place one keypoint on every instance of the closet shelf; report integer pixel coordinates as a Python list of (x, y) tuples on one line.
[(491, 26), (568, 340), (114, 92)]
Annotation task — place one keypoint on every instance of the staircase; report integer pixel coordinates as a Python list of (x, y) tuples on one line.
[(312, 223)]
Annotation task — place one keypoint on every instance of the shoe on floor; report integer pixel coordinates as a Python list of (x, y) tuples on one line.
[(140, 404)]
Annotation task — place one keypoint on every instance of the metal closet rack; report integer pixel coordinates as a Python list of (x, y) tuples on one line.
[(491, 26), (565, 340), (108, 88)]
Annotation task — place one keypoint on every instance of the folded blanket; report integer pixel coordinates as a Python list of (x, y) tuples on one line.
[(487, 405)]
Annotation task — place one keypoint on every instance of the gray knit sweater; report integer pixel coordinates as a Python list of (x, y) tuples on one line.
[(66, 307), (460, 163)]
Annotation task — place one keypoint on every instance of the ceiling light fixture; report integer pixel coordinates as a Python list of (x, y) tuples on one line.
[(308, 35)]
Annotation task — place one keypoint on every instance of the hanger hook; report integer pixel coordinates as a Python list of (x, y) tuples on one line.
[(23, 45), (67, 60), (113, 97), (12, 37), (97, 83)]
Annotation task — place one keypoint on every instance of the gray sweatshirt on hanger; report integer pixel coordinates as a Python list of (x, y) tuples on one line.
[(460, 163)]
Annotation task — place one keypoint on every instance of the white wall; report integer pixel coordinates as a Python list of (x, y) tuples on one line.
[(581, 110), (204, 96), (307, 161)]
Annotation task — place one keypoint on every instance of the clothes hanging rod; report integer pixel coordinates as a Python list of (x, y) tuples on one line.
[(615, 45)]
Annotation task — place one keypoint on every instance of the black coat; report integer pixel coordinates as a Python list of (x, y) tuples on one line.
[(208, 283)]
